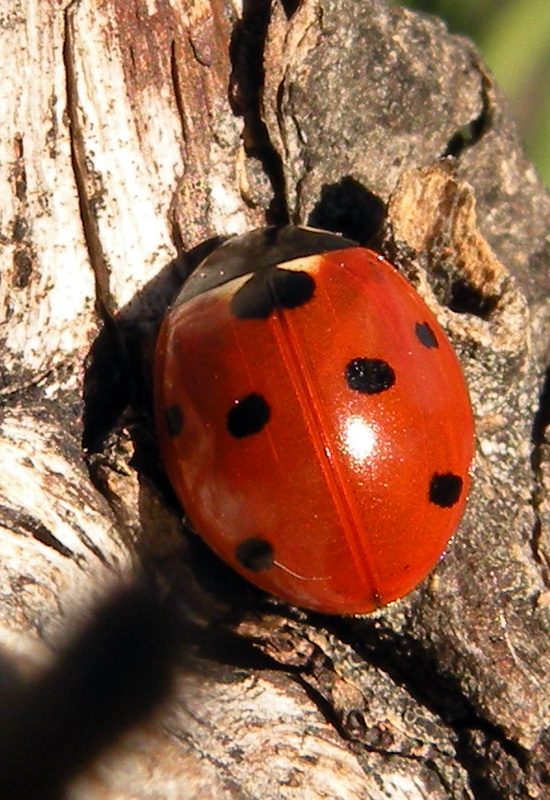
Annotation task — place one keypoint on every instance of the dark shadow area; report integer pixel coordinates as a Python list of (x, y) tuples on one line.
[(466, 299), (347, 207), (245, 89), (466, 136), (542, 417), (119, 364), (111, 676), (290, 7), (450, 286), (540, 426), (473, 131)]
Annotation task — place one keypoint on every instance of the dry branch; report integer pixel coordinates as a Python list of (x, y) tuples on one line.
[(134, 133)]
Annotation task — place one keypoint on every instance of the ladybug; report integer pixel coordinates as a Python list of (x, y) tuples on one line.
[(313, 419)]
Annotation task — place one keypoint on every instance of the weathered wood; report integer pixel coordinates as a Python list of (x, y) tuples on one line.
[(133, 133)]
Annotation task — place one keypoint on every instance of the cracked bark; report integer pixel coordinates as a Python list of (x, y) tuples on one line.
[(136, 134)]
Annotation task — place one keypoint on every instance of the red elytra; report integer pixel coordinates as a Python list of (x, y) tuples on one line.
[(313, 419)]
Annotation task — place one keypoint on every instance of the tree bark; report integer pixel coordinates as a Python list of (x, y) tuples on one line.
[(134, 665)]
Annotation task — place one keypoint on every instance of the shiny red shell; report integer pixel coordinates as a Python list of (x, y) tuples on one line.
[(316, 426)]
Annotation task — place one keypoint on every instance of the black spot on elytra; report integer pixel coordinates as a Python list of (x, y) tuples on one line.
[(270, 289), (425, 335), (369, 375), (445, 489), (174, 420), (249, 415), (255, 554)]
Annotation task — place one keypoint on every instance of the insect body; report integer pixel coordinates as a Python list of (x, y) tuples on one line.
[(313, 419)]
